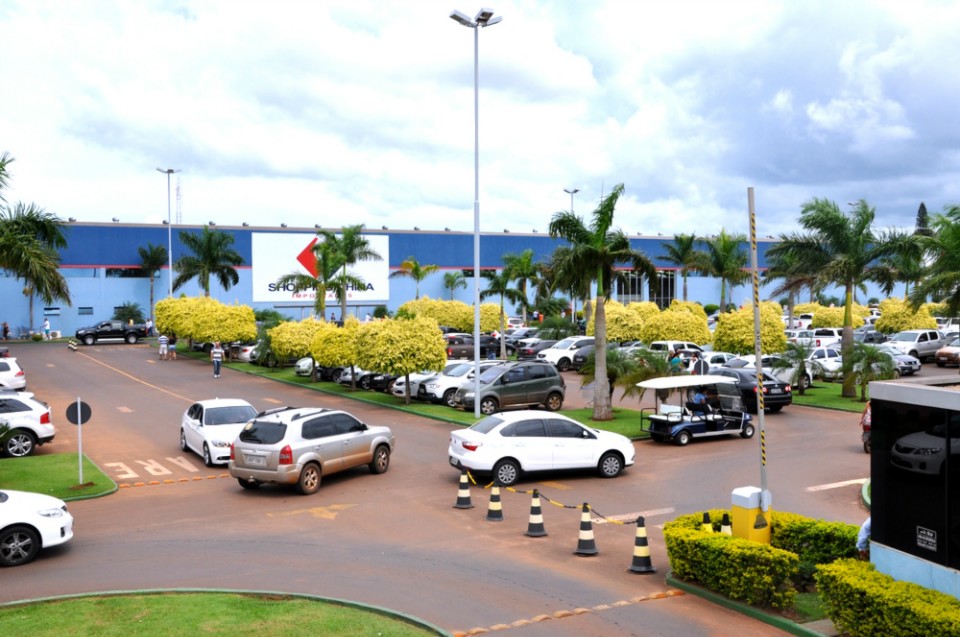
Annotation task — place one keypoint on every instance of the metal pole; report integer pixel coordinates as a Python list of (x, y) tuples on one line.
[(169, 243), (758, 351), (476, 221), (79, 440)]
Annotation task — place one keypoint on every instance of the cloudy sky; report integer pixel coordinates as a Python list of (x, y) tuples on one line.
[(361, 111)]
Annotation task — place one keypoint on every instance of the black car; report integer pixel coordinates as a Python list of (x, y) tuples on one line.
[(869, 336), (529, 352), (777, 394), (383, 382), (581, 355)]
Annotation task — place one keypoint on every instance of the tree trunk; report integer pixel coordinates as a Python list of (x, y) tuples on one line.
[(602, 404), (684, 287), (846, 343)]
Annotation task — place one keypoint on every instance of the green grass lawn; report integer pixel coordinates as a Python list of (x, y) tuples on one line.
[(827, 395), (55, 474), (208, 614)]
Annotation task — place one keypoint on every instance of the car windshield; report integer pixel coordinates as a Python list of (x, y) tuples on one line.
[(229, 415), (904, 337), (459, 370), (565, 343), (487, 425), (263, 432), (736, 363), (491, 374), (955, 342)]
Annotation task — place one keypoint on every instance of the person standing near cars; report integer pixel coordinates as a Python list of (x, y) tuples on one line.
[(700, 366), (172, 347), (216, 355), (46, 329), (162, 345)]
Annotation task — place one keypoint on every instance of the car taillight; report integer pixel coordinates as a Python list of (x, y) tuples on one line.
[(472, 446), (20, 373), (232, 455), (286, 455), (449, 352), (787, 388), (818, 342), (766, 389), (45, 418)]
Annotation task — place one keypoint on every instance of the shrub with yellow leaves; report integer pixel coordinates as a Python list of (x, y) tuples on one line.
[(735, 331)]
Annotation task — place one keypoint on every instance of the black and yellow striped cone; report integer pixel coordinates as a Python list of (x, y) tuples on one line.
[(725, 526), (641, 551), (495, 511), (706, 526), (585, 543), (535, 527), (463, 493)]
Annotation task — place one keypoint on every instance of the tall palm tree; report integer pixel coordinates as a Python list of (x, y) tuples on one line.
[(152, 258), (726, 260), (683, 253), (593, 254), (453, 280), (212, 256), (411, 267), (498, 284), (841, 248), (905, 266), (325, 269), (351, 247), (793, 280), (942, 278), (524, 270)]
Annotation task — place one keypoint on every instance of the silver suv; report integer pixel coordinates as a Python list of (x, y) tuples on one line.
[(29, 422), (299, 446), (526, 384)]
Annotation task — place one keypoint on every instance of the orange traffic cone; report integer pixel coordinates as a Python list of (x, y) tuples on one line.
[(463, 493), (535, 527), (641, 551), (494, 510), (706, 526), (585, 543)]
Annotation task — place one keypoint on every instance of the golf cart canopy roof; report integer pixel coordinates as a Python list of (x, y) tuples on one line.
[(686, 380)]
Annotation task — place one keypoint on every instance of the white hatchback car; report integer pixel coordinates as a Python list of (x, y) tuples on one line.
[(209, 427), (506, 444), (29, 420), (30, 522), (11, 374)]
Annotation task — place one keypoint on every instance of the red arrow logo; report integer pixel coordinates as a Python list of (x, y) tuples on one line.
[(308, 260)]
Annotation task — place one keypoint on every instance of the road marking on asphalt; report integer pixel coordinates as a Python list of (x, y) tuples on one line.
[(323, 513), (837, 485), (632, 517), (273, 400), (134, 378), (125, 410)]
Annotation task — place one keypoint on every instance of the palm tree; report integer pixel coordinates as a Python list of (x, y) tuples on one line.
[(793, 281), (842, 249), (498, 284), (212, 256), (619, 366), (726, 260), (942, 247), (868, 362), (524, 270), (325, 269), (796, 358), (350, 247), (593, 254), (453, 280), (683, 253), (412, 268), (152, 258)]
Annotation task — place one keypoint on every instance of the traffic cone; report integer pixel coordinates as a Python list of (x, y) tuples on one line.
[(641, 551), (706, 526), (495, 511), (535, 527), (725, 526), (585, 543), (463, 493)]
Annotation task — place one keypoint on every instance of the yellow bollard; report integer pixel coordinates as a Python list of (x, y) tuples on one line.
[(749, 521)]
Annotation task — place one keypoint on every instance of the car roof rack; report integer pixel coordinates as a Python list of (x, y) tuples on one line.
[(275, 410)]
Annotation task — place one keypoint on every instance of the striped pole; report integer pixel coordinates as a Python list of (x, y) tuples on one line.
[(585, 543), (641, 551), (535, 527), (758, 351)]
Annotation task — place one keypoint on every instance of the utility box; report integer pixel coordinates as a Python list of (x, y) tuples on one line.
[(746, 508)]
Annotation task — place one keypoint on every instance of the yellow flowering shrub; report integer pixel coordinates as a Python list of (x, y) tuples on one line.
[(676, 325), (735, 331)]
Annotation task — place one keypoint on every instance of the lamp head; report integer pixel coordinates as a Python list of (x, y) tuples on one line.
[(463, 19)]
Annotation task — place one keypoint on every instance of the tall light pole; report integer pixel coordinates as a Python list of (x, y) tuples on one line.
[(571, 192), (484, 18), (573, 301), (168, 172)]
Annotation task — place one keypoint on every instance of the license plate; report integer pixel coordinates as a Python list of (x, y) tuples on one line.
[(258, 461), (776, 390), (453, 461)]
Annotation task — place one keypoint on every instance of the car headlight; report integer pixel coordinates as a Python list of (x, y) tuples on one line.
[(926, 451), (51, 513), (220, 443)]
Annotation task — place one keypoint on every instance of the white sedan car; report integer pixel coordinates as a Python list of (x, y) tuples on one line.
[(506, 444), (11, 374), (209, 427), (30, 522)]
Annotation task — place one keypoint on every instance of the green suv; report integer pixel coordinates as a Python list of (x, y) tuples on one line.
[(515, 384)]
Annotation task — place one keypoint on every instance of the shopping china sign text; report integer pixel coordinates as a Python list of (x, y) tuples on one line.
[(278, 254)]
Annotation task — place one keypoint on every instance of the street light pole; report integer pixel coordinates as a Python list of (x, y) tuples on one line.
[(571, 192), (484, 18), (168, 172), (573, 301)]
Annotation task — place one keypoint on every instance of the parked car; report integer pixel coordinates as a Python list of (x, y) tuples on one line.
[(514, 384), (777, 394), (111, 331), (946, 355), (802, 337), (919, 343), (871, 336), (721, 414), (383, 382), (581, 355), (241, 351), (786, 374), (529, 352), (665, 347), (29, 523), (400, 384), (298, 446), (364, 377), (713, 359), (12, 375), (561, 354), (827, 336), (903, 365), (443, 387), (304, 366), (209, 427), (29, 420), (507, 445)]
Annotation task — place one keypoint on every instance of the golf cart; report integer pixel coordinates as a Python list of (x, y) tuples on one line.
[(722, 414)]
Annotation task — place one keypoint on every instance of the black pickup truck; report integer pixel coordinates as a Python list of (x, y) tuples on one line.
[(111, 331)]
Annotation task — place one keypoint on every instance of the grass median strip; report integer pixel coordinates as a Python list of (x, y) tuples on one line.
[(56, 474)]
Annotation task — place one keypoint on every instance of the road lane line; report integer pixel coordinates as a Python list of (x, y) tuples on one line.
[(836, 485), (134, 378)]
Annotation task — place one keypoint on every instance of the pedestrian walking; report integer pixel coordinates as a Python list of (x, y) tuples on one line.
[(700, 366), (149, 326), (46, 329), (216, 355), (172, 348), (6, 331), (162, 344)]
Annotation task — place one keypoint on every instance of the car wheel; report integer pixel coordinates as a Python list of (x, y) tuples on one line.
[(775, 409), (365, 382), (682, 438), (89, 340), (506, 473), (207, 459), (563, 364), (183, 441), (489, 406), (747, 431), (249, 484), (335, 375), (21, 443), (18, 545), (610, 465), (131, 338), (309, 480), (381, 459), (806, 382), (916, 355), (554, 402), (389, 388), (448, 397), (896, 374), (866, 446)]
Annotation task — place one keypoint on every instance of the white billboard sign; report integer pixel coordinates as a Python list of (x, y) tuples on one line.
[(277, 254)]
